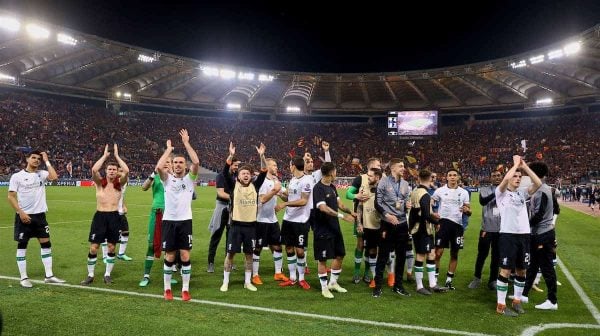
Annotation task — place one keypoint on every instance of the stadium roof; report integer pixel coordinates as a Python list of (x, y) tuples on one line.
[(53, 58)]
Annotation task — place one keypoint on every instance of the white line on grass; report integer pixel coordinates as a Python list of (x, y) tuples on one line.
[(536, 329), (586, 299), (271, 310)]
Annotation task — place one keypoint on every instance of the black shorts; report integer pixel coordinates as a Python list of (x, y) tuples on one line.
[(105, 226), (371, 237), (450, 235), (329, 247), (294, 234), (37, 228), (176, 235), (241, 235), (124, 224), (267, 234), (423, 242), (514, 250)]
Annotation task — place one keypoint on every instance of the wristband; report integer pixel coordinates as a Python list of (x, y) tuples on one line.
[(340, 215), (151, 176), (48, 164)]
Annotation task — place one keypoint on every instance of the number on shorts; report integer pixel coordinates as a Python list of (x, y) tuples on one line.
[(301, 240), (460, 241), (190, 239), (527, 258), (47, 229)]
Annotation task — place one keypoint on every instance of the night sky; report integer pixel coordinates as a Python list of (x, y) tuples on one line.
[(305, 36)]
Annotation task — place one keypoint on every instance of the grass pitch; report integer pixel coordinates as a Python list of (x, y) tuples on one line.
[(54, 310)]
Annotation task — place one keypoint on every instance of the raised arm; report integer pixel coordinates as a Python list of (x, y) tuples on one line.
[(263, 166), (228, 163), (125, 177), (511, 172), (325, 146), (98, 165), (160, 166), (52, 176), (185, 138)]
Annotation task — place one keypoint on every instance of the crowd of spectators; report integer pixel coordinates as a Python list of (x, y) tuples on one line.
[(73, 132)]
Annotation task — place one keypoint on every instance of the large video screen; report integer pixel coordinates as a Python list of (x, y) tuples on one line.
[(413, 123)]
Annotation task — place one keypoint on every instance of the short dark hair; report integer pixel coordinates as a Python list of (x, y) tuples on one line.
[(246, 167), (36, 152), (377, 172), (453, 170), (539, 168), (112, 163), (424, 174), (297, 162), (327, 168), (234, 159)]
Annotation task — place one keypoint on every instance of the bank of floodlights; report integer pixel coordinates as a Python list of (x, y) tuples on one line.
[(36, 31), (4, 78), (145, 58), (66, 39), (543, 102), (9, 23), (568, 50), (233, 106), (229, 74), (293, 109)]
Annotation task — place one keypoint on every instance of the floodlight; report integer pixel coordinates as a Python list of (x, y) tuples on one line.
[(265, 78), (536, 59), (6, 78), (292, 109), (227, 74), (234, 106), (521, 64), (66, 39), (36, 31), (544, 101), (9, 23), (118, 94), (572, 48), (555, 54), (210, 71), (146, 59), (246, 75), (127, 95)]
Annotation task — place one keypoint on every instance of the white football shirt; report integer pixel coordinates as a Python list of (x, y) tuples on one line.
[(178, 197), (296, 188), (451, 202), (266, 211), (31, 190), (513, 211)]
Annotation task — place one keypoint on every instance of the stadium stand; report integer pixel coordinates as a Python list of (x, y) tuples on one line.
[(75, 132)]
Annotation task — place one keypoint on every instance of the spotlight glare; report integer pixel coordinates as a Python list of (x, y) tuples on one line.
[(66, 39), (536, 59), (227, 74), (555, 54), (572, 48), (37, 32), (544, 101), (9, 23), (234, 106), (210, 71)]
